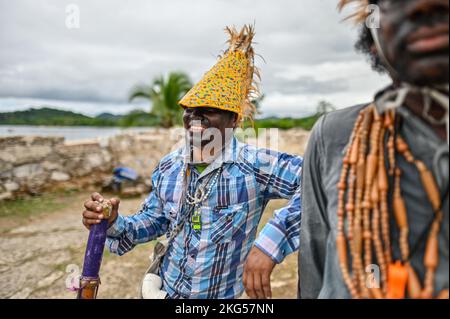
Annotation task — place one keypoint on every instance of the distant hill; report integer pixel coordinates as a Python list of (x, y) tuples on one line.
[(109, 116), (54, 117), (50, 116)]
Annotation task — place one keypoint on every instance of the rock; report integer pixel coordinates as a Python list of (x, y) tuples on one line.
[(11, 186), (28, 170), (107, 157), (94, 160), (6, 195), (42, 140), (6, 156), (22, 155), (6, 170), (51, 166), (37, 181), (59, 176), (142, 189)]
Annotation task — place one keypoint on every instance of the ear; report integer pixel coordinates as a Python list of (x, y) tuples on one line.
[(373, 49), (235, 120)]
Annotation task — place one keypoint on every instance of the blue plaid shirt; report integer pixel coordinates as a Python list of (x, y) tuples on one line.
[(209, 263)]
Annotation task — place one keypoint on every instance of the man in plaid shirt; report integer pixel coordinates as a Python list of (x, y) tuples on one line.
[(218, 194)]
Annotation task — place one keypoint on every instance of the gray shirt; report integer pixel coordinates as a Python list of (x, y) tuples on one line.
[(319, 271)]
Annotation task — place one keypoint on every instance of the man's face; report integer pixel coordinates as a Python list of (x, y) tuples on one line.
[(206, 125), (414, 34)]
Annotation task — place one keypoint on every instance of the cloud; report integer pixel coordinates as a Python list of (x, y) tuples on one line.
[(308, 52), (309, 85)]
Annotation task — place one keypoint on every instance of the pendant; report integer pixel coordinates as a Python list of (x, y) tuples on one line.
[(197, 221), (397, 280), (199, 195)]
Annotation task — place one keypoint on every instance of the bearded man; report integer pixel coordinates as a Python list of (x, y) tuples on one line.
[(375, 221)]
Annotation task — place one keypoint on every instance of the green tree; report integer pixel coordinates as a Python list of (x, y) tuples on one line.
[(164, 93), (324, 107), (139, 118)]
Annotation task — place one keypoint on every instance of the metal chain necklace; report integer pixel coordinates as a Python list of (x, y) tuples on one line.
[(201, 194)]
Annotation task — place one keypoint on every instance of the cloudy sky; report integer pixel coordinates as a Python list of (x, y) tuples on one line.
[(308, 52)]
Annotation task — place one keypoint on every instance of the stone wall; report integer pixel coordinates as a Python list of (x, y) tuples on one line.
[(32, 165)]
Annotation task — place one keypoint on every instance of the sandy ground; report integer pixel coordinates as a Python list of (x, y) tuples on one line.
[(37, 251)]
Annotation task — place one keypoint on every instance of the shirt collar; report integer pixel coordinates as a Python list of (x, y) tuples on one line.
[(230, 154)]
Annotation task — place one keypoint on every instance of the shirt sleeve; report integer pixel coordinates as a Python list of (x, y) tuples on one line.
[(314, 229), (148, 224), (283, 174), (280, 236)]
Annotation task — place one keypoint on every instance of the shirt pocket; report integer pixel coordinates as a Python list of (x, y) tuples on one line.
[(238, 190), (227, 223)]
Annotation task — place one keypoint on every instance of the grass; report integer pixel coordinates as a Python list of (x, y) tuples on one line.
[(286, 123), (25, 207)]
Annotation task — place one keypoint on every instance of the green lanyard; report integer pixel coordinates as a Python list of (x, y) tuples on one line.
[(197, 219)]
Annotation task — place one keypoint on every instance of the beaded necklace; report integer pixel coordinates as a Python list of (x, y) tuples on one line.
[(363, 213), (200, 195)]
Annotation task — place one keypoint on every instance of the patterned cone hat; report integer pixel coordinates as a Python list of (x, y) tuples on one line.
[(229, 85), (360, 14)]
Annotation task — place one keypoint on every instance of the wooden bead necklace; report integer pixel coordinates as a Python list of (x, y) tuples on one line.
[(363, 230)]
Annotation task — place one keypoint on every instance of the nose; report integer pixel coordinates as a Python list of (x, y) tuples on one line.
[(423, 8)]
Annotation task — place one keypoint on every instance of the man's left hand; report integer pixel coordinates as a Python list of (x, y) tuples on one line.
[(257, 271)]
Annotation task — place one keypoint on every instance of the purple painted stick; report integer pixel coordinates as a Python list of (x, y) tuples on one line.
[(90, 279)]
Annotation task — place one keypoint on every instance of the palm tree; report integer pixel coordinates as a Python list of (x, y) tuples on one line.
[(164, 94), (257, 102)]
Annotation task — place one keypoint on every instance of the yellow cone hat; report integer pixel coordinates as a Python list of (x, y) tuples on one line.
[(229, 85)]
